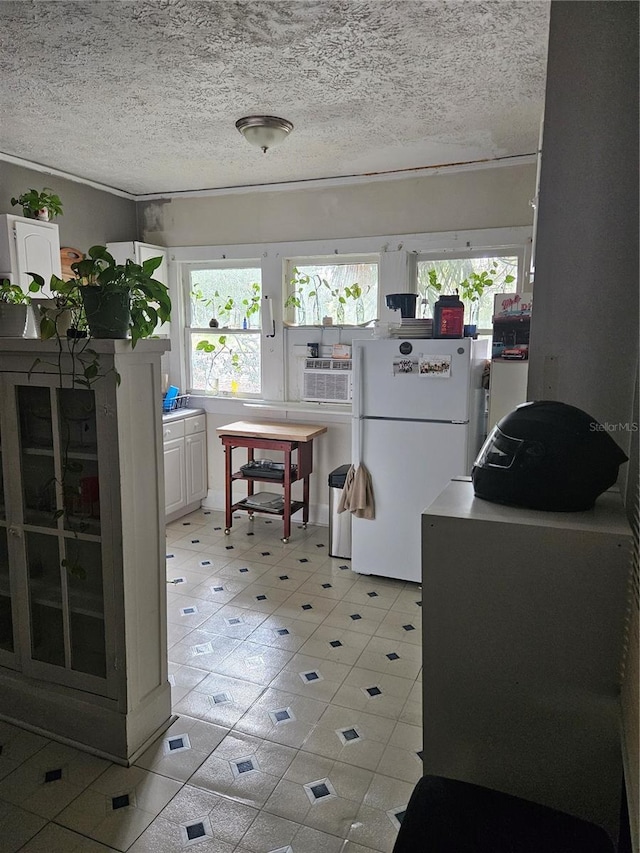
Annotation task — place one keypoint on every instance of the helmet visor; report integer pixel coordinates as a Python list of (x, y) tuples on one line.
[(498, 451)]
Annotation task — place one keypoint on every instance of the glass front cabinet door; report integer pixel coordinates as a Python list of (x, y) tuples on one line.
[(56, 596)]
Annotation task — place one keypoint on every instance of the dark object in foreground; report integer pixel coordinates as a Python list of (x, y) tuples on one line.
[(547, 455), (447, 816)]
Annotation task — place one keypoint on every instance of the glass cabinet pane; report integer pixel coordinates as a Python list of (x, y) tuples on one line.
[(86, 606), (45, 598), (79, 460), (6, 619), (3, 512), (36, 451)]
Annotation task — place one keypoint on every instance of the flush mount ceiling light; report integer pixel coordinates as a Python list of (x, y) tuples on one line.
[(264, 131)]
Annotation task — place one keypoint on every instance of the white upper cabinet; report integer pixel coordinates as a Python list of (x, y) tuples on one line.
[(28, 245)]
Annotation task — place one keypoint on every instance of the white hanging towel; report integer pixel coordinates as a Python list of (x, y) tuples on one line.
[(357, 493)]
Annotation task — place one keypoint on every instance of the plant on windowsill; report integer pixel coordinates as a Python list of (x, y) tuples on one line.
[(45, 205), (227, 312), (308, 290), (431, 293), (473, 286)]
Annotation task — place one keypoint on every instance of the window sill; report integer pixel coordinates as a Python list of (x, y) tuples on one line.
[(245, 406)]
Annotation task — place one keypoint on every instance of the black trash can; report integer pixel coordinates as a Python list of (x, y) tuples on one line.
[(339, 523)]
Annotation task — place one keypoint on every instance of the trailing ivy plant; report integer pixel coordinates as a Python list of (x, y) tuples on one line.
[(225, 308), (473, 286), (309, 290)]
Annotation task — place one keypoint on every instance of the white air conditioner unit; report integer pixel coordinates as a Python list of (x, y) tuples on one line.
[(327, 380)]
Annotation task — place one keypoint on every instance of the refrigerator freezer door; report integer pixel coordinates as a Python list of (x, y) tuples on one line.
[(382, 390), (410, 463)]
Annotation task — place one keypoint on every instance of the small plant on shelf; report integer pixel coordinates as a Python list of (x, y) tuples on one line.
[(14, 307), (44, 205), (12, 294)]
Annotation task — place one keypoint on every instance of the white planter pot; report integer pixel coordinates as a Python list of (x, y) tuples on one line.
[(13, 320)]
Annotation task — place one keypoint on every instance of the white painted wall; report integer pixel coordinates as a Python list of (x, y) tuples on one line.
[(441, 201)]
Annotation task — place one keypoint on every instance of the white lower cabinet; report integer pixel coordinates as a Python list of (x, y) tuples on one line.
[(185, 463), (175, 495), (83, 647)]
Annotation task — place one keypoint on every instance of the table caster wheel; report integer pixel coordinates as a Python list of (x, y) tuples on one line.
[(285, 541), (227, 531), (252, 517), (304, 525)]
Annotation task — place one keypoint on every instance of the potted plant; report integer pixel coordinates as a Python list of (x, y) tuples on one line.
[(14, 309), (117, 299), (44, 205)]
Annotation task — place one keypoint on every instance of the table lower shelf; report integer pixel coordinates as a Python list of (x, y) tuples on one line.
[(243, 505)]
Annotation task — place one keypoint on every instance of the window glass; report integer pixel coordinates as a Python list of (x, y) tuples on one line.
[(477, 280), (224, 330), (344, 290)]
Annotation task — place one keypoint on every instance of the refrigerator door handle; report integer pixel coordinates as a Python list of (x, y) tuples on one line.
[(357, 407)]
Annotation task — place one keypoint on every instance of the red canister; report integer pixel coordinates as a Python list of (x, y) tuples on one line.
[(448, 317)]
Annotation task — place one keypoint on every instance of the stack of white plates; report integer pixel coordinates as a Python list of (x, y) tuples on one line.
[(413, 328)]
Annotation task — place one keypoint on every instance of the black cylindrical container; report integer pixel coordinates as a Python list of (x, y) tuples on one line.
[(404, 302), (448, 317)]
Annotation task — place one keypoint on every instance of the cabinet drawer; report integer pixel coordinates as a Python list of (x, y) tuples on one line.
[(174, 429), (195, 424)]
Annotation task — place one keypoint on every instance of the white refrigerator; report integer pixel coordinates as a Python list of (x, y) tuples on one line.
[(418, 421)]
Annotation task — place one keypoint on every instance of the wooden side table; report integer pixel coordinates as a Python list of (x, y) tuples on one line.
[(284, 437)]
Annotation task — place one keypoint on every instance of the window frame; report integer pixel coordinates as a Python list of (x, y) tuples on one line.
[(189, 330), (396, 273)]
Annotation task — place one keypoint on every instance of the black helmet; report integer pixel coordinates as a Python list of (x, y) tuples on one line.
[(547, 455)]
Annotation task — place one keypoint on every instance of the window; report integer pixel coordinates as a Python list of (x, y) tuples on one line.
[(344, 289), (477, 280), (223, 328)]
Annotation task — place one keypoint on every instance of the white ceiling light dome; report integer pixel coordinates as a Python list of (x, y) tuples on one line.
[(264, 131)]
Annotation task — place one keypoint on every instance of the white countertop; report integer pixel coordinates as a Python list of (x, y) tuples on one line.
[(178, 414), (458, 501)]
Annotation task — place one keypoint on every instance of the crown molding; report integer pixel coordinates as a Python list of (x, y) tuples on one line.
[(284, 186)]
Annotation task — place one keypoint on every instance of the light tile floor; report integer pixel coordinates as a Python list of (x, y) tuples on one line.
[(297, 685)]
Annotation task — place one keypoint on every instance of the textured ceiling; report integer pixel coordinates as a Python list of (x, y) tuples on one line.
[(143, 96)]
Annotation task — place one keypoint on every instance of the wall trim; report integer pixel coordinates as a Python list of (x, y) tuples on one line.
[(58, 173), (347, 180)]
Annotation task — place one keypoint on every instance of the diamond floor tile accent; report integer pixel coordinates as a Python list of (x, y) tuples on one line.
[(319, 790)]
